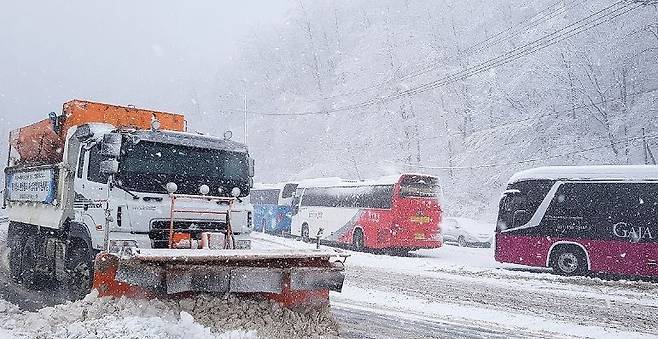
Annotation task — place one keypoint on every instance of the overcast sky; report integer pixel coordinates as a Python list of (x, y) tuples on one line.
[(152, 53)]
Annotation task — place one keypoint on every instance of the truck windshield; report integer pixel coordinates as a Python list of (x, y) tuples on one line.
[(149, 166)]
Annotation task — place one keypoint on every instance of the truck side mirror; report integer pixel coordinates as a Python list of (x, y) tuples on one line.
[(111, 145), (252, 164), (109, 167)]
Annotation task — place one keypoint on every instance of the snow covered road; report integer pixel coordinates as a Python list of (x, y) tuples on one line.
[(459, 292), (464, 286)]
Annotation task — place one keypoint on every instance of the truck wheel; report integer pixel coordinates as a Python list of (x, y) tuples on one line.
[(28, 274), (358, 243), (305, 233), (15, 257), (80, 265)]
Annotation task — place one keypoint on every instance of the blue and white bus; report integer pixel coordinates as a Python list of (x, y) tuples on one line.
[(272, 207)]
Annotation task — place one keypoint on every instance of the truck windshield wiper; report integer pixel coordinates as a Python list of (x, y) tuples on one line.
[(117, 185)]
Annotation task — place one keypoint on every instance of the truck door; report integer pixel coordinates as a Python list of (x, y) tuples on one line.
[(91, 197)]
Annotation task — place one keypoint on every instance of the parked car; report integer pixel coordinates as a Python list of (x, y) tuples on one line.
[(467, 232)]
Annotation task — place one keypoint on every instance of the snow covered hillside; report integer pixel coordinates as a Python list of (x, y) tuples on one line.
[(347, 73)]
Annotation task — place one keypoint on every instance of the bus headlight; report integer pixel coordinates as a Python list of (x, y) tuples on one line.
[(235, 192)]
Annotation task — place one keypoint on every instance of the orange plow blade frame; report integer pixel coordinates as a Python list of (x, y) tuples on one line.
[(291, 277)]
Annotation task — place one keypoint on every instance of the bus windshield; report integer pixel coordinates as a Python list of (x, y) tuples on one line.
[(148, 166), (419, 186), (520, 201)]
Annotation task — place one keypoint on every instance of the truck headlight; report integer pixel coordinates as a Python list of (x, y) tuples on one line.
[(123, 247)]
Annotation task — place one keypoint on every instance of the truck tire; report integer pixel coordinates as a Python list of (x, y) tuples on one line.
[(80, 267), (28, 274), (15, 255)]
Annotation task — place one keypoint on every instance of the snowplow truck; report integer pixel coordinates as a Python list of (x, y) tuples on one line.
[(126, 201)]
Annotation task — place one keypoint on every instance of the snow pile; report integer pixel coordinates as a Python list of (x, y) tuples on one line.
[(199, 317)]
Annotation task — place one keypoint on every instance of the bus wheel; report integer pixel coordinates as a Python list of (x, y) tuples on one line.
[(569, 260), (81, 270), (357, 240), (305, 233)]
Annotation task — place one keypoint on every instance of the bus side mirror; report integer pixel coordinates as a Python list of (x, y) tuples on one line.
[(252, 164), (111, 145)]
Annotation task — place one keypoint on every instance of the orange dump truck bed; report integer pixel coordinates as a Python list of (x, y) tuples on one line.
[(43, 142)]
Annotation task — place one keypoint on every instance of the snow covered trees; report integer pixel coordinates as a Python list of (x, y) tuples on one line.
[(350, 74)]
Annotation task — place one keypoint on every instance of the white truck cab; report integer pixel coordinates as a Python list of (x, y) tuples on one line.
[(60, 213)]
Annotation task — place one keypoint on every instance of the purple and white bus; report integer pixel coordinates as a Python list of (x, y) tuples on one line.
[(581, 219)]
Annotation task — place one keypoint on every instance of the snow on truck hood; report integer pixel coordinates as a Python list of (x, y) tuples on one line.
[(606, 172)]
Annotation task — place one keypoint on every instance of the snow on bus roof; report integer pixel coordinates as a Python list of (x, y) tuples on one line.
[(335, 181), (609, 172)]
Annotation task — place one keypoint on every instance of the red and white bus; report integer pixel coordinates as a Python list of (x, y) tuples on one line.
[(581, 219), (399, 213)]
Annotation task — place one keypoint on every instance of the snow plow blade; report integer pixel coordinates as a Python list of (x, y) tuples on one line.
[(292, 278)]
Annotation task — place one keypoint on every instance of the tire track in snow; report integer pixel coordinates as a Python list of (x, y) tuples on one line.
[(544, 302)]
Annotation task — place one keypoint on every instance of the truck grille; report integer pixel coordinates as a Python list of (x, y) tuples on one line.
[(159, 233)]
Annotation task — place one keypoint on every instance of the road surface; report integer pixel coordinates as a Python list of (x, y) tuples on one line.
[(453, 292)]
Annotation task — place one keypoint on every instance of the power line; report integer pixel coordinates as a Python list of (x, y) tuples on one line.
[(549, 113), (510, 56), (514, 33), (500, 36), (527, 49), (609, 144)]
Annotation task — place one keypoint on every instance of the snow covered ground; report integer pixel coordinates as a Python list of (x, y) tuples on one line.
[(466, 286), (196, 317), (447, 292)]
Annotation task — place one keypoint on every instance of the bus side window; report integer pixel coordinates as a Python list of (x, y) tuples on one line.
[(296, 201), (578, 206)]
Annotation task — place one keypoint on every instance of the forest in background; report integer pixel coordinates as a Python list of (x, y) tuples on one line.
[(471, 91)]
